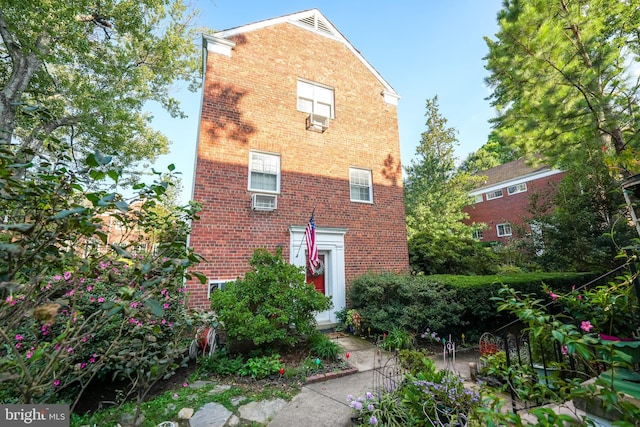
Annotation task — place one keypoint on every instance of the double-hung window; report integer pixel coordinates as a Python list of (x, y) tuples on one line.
[(518, 188), (504, 230), (264, 172), (360, 185), (494, 194), (315, 98)]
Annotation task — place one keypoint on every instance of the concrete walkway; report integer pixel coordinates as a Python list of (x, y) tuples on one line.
[(325, 404)]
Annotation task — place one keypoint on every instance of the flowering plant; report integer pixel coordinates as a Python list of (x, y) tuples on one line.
[(448, 395), (353, 320), (384, 409), (610, 310)]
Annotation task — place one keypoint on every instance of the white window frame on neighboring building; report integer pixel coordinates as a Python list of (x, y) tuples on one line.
[(478, 198), (518, 188), (215, 285), (477, 234), (504, 229), (264, 164), (360, 182), (314, 98), (495, 194)]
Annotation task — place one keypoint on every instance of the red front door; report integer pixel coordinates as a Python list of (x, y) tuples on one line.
[(317, 280)]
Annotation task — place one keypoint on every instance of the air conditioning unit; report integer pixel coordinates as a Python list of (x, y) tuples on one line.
[(264, 202), (317, 122)]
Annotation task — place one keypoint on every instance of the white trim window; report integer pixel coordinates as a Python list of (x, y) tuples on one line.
[(478, 198), (215, 285), (518, 188), (477, 234), (316, 99), (494, 194), (504, 230), (264, 172), (361, 189)]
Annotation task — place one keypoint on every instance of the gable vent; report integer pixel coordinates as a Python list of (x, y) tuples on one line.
[(317, 24)]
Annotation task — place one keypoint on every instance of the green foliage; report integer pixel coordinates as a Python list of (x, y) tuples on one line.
[(446, 303), (384, 409), (271, 305), (431, 253), (434, 193), (416, 361), (561, 84), (493, 153), (397, 339), (261, 367), (323, 347), (134, 53), (70, 313), (220, 363)]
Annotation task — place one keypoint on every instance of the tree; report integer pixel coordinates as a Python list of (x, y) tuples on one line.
[(565, 80), (493, 153), (434, 192), (81, 73)]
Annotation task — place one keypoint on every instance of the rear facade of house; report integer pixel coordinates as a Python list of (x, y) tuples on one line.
[(293, 121), (502, 202)]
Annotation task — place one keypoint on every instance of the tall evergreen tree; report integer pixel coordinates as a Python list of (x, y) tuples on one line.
[(435, 192), (565, 80)]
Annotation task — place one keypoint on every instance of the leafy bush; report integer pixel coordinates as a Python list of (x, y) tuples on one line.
[(322, 347), (221, 363), (271, 305), (447, 303), (70, 313), (415, 361), (397, 339), (261, 367)]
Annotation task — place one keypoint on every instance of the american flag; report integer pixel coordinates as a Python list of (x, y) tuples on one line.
[(312, 249)]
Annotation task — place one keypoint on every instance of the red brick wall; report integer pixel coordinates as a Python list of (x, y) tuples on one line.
[(513, 209), (250, 104)]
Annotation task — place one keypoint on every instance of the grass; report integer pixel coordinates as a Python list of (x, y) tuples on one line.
[(166, 406)]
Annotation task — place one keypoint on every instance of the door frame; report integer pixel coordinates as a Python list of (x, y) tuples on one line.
[(330, 241)]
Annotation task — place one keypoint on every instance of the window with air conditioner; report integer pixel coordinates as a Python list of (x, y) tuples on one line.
[(494, 194), (264, 202), (315, 99), (504, 230), (264, 172), (361, 188), (518, 188)]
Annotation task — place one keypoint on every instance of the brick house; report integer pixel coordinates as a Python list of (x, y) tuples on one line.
[(294, 118), (503, 199)]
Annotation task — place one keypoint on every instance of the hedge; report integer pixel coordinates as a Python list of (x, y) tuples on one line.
[(447, 304)]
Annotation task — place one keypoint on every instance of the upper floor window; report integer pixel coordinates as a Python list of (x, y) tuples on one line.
[(518, 188), (477, 234), (315, 98), (494, 194), (504, 230), (264, 172), (360, 185)]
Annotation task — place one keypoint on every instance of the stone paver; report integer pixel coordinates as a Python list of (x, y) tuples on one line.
[(262, 411), (211, 415)]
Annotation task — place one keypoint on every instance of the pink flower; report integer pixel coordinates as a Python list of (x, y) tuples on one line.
[(83, 365), (29, 353), (56, 383), (100, 299), (66, 275), (553, 296), (586, 325), (19, 337), (18, 345), (565, 350), (165, 305), (92, 299), (89, 288), (133, 304), (185, 384), (579, 297)]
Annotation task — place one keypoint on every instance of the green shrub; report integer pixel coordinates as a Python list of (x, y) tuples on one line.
[(220, 363), (272, 304), (261, 367), (397, 339), (449, 304), (322, 347), (416, 361)]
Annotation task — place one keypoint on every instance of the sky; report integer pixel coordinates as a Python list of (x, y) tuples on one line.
[(422, 48)]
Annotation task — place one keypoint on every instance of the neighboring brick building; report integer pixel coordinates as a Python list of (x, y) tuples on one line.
[(293, 117), (504, 198)]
